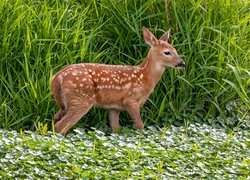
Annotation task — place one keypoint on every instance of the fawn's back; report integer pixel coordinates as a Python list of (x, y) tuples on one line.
[(78, 87)]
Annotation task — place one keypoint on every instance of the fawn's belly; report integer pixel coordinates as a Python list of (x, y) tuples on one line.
[(110, 99), (110, 106)]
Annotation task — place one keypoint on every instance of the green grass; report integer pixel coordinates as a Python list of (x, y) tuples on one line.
[(196, 152), (38, 38)]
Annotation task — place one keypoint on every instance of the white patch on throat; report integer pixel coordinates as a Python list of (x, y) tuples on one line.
[(159, 67)]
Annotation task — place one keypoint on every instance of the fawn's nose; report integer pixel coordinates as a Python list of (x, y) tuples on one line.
[(181, 64)]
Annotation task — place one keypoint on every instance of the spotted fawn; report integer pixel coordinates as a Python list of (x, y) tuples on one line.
[(79, 87)]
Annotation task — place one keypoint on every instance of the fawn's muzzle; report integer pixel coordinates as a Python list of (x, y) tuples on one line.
[(181, 64)]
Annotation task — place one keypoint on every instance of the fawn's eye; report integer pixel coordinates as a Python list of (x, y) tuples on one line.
[(167, 53)]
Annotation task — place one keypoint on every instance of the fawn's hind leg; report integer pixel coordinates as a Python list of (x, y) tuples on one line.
[(77, 108), (59, 115)]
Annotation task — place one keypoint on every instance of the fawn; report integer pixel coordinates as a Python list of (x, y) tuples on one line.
[(79, 87)]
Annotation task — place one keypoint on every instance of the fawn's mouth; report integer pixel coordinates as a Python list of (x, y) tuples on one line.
[(180, 65)]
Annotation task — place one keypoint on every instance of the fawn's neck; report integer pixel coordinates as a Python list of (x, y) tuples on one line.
[(152, 70)]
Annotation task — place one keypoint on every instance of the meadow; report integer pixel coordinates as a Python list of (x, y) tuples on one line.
[(196, 152), (197, 120), (38, 38)]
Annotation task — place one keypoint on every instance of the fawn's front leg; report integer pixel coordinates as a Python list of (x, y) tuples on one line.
[(134, 112), (114, 120)]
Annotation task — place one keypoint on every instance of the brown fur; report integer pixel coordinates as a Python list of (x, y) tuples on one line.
[(78, 87)]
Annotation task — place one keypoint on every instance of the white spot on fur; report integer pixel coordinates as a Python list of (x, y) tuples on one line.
[(127, 86), (118, 88), (66, 89), (116, 80), (123, 80)]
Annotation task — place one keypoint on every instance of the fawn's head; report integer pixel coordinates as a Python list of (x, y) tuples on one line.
[(162, 52)]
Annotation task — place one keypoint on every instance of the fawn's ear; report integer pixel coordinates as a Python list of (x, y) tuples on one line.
[(149, 37), (165, 36)]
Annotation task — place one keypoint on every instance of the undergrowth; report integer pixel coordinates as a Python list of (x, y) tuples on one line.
[(38, 38), (196, 152)]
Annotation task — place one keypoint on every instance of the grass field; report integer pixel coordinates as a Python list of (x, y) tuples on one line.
[(196, 152), (197, 120), (38, 38)]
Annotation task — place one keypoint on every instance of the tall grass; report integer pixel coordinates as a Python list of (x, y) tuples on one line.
[(38, 38)]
